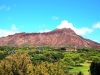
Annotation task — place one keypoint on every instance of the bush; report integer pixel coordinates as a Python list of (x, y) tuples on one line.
[(95, 68)]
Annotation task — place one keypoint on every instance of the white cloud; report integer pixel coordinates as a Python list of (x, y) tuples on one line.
[(80, 31), (55, 17), (14, 28), (97, 25), (4, 32), (42, 31), (4, 7)]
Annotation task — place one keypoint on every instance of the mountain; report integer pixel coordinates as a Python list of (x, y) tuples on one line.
[(57, 37)]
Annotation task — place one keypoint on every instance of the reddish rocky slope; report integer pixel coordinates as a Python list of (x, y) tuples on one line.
[(58, 37)]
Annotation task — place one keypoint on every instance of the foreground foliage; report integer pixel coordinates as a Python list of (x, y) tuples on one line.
[(20, 64), (31, 60), (95, 68), (17, 64)]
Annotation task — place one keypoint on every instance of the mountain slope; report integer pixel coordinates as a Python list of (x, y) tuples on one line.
[(58, 37)]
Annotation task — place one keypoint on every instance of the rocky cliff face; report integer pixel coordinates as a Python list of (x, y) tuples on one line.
[(58, 37)]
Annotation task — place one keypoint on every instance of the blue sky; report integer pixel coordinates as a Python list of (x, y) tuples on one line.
[(83, 16)]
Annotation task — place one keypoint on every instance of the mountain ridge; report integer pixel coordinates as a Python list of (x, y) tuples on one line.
[(57, 37)]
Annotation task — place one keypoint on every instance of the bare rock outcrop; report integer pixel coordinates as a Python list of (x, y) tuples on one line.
[(57, 37)]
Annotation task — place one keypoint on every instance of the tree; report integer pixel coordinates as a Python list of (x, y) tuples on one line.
[(95, 68), (2, 55), (68, 61), (56, 56), (95, 58), (46, 68), (77, 59), (17, 64)]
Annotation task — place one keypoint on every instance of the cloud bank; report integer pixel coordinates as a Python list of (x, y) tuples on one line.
[(79, 31), (4, 32), (66, 24)]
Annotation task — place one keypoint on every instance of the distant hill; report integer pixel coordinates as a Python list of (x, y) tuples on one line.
[(57, 37)]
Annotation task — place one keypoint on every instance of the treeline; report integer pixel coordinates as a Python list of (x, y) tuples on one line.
[(29, 60)]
